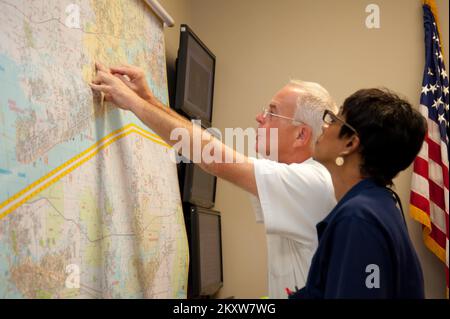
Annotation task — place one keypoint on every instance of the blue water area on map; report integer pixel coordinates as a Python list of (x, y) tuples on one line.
[(5, 171)]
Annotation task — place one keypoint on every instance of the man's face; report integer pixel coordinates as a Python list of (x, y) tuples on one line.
[(283, 103)]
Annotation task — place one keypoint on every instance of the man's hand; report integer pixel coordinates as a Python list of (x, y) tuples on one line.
[(134, 78), (114, 88)]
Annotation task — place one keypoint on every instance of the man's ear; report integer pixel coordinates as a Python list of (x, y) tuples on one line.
[(303, 136)]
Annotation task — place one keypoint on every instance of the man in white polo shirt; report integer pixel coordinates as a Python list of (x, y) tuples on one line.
[(294, 195)]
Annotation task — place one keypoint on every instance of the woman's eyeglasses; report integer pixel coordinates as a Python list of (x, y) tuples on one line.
[(330, 118)]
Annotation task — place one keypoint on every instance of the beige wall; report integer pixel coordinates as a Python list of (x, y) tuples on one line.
[(260, 45)]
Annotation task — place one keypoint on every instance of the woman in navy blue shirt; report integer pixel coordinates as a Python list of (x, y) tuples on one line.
[(364, 248)]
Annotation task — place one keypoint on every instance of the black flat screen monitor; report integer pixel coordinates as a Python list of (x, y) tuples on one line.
[(195, 78), (199, 187), (206, 272)]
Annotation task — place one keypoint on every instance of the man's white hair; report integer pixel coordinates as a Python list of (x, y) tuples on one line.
[(313, 99)]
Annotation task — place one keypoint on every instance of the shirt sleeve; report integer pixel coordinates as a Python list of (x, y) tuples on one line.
[(257, 209), (293, 198), (360, 264)]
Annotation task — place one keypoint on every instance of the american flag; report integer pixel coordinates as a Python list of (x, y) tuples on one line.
[(429, 186)]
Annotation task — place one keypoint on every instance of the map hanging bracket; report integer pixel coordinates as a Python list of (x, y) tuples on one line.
[(161, 12)]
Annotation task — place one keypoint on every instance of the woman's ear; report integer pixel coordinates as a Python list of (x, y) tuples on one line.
[(351, 145)]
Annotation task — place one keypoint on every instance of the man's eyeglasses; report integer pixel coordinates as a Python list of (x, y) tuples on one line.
[(266, 114), (330, 118)]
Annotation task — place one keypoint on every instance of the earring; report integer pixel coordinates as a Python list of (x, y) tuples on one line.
[(339, 161)]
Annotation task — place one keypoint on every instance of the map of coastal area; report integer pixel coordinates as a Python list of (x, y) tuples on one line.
[(89, 198)]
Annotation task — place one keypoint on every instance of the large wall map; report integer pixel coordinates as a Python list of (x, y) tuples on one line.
[(89, 198)]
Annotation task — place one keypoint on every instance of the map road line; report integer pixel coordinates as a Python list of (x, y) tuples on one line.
[(44, 182)]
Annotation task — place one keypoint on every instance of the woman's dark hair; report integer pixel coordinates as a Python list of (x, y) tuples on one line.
[(391, 132)]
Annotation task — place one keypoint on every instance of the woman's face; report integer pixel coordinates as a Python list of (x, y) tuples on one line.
[(329, 145)]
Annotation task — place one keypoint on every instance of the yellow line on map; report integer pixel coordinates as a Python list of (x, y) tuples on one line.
[(53, 172), (64, 169)]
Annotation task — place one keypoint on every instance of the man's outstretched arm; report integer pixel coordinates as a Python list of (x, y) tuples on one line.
[(163, 121), (135, 79)]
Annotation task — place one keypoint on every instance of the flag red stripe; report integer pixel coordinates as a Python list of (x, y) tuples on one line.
[(420, 202), (421, 167), (434, 151), (437, 194)]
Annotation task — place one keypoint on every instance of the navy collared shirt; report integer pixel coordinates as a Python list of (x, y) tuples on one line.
[(364, 250)]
